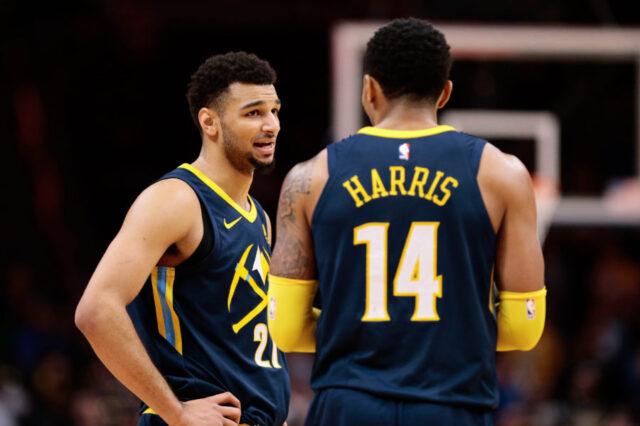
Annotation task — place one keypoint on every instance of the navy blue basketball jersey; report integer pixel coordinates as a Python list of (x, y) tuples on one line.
[(204, 325), (405, 251)]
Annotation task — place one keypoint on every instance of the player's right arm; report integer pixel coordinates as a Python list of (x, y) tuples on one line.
[(519, 267), (164, 214)]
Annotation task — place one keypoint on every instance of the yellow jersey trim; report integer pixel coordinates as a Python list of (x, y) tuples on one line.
[(404, 134), (177, 334), (158, 303), (492, 285), (162, 280), (249, 215)]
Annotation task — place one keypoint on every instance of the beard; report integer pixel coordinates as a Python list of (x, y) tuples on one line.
[(241, 160)]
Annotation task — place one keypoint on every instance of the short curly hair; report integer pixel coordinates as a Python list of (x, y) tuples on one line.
[(409, 57), (211, 80)]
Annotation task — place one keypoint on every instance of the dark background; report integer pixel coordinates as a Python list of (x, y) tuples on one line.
[(92, 110)]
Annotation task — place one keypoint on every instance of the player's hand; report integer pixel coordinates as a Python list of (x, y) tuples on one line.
[(210, 411)]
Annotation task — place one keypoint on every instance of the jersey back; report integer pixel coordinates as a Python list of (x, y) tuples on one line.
[(405, 251), (204, 325)]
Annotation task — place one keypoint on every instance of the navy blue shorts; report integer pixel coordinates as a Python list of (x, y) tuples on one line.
[(341, 406)]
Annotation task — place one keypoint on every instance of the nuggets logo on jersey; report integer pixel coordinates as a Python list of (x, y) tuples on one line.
[(261, 265)]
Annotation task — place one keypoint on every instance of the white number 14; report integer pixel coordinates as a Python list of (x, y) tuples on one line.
[(416, 274)]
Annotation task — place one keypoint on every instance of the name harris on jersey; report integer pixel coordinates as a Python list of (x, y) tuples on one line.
[(436, 188)]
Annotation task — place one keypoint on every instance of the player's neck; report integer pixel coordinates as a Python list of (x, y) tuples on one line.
[(233, 182), (407, 117)]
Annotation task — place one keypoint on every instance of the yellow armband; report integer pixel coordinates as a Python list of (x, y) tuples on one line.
[(291, 315), (520, 319)]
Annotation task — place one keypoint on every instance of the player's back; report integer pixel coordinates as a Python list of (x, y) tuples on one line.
[(405, 252)]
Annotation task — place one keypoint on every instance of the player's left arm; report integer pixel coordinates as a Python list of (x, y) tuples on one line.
[(292, 281), (519, 264)]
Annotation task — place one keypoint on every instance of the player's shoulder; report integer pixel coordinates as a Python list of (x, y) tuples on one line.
[(304, 184), (507, 165), (503, 171), (171, 190), (168, 199), (310, 172)]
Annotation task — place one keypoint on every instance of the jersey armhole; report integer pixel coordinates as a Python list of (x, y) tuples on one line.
[(474, 150), (206, 244), (263, 214)]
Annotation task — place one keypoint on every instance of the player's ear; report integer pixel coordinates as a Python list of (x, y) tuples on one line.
[(371, 89), (209, 122), (445, 94), (368, 96), (366, 90)]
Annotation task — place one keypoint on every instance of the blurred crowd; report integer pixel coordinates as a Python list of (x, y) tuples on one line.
[(586, 368)]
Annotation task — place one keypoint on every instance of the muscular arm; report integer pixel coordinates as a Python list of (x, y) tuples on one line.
[(519, 268), (152, 225), (508, 193), (292, 284), (293, 251)]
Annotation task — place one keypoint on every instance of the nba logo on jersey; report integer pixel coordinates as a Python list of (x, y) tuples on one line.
[(531, 309), (272, 308), (403, 151)]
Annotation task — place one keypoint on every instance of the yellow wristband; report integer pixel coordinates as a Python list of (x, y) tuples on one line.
[(291, 316), (520, 319)]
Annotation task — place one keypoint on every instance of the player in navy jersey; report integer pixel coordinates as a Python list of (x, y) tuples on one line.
[(399, 233), (176, 308)]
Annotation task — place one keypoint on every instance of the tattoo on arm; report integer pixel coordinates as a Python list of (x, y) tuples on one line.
[(296, 184), (293, 254)]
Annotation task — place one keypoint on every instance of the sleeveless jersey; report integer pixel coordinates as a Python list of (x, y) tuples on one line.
[(205, 325), (405, 251)]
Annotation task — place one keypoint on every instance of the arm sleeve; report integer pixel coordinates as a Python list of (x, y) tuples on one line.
[(292, 318), (520, 319)]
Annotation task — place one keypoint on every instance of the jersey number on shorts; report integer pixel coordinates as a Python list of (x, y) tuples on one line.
[(416, 275)]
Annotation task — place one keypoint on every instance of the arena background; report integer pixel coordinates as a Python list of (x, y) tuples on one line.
[(92, 110)]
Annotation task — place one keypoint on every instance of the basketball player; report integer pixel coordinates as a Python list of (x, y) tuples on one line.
[(399, 231), (187, 270)]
